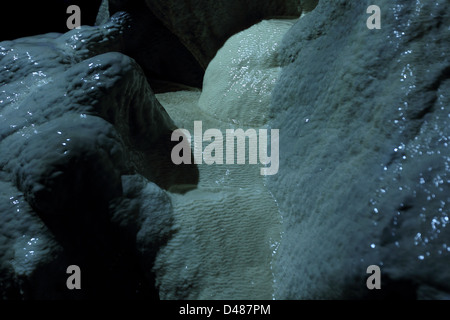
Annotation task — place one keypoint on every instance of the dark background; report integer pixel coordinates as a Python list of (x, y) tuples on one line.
[(27, 18)]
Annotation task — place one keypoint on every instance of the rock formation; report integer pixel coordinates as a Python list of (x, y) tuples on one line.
[(364, 126), (86, 176), (78, 127)]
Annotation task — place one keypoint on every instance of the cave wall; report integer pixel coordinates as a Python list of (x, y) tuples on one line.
[(364, 161), (364, 158)]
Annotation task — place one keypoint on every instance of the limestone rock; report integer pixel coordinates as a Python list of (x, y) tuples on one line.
[(75, 124), (164, 59), (239, 80), (103, 14), (30, 257), (364, 158), (203, 26)]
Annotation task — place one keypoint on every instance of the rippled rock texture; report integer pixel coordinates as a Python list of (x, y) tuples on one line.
[(86, 176), (229, 224), (364, 155)]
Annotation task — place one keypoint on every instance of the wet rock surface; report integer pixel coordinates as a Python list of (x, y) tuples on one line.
[(86, 176), (364, 128), (77, 128)]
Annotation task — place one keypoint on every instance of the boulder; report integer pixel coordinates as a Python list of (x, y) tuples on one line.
[(364, 172), (82, 140), (239, 80)]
